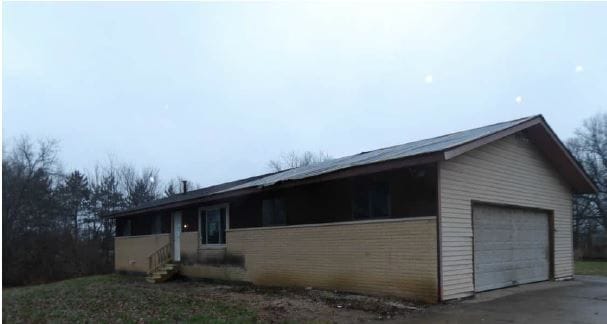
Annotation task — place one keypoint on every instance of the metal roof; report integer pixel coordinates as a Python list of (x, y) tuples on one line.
[(193, 194), (408, 150), (436, 144)]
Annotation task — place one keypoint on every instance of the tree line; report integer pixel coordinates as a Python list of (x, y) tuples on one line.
[(52, 221), (589, 146)]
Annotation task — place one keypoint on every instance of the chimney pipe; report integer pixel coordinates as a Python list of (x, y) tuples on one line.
[(185, 186)]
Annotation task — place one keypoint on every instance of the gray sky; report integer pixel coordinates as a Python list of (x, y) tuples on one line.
[(212, 91)]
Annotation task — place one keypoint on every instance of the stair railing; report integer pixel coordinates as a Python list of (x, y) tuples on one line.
[(159, 258)]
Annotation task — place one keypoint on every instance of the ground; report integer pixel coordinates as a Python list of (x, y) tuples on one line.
[(597, 268), (128, 299), (583, 300)]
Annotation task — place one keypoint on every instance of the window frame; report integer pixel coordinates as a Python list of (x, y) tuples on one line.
[(200, 229), (274, 200), (368, 189)]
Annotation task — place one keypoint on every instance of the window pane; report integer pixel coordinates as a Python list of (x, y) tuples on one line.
[(203, 227), (273, 212), (157, 224), (380, 200), (128, 228), (267, 210), (213, 226), (280, 214), (123, 227), (142, 225), (223, 226), (166, 223), (360, 202)]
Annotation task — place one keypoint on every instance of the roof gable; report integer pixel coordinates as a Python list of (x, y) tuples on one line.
[(546, 141)]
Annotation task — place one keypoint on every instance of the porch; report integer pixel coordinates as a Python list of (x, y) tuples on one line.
[(374, 234)]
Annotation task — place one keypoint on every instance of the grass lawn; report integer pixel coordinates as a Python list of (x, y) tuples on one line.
[(115, 298), (129, 299), (595, 268)]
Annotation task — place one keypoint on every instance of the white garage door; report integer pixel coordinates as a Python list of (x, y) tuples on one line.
[(511, 246)]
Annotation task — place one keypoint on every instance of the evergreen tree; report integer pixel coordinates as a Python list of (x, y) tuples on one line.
[(74, 194)]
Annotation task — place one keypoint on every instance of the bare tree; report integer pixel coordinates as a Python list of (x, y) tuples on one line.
[(294, 160), (106, 197), (589, 146), (139, 188), (31, 216), (29, 169)]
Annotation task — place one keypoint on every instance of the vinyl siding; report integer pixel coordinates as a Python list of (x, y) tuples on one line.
[(509, 171)]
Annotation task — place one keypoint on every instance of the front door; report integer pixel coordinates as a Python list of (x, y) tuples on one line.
[(177, 236)]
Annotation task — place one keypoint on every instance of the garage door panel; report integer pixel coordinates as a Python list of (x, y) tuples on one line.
[(511, 246)]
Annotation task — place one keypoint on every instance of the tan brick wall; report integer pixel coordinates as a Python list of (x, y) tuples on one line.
[(385, 257), (131, 253), (189, 245), (233, 273), (391, 257), (192, 252)]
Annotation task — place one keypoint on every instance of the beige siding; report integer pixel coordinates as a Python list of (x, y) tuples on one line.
[(131, 253), (508, 171), (392, 257)]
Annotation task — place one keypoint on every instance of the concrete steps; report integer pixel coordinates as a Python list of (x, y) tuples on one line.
[(163, 274)]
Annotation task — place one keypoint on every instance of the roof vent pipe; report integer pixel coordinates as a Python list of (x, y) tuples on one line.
[(185, 186)]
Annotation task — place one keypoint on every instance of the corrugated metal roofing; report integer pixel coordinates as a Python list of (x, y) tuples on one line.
[(411, 149), (426, 146), (193, 194)]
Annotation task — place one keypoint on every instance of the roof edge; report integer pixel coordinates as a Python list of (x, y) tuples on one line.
[(338, 174), (571, 159), (492, 137), (588, 186)]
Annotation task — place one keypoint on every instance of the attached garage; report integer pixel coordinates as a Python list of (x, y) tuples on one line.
[(505, 211), (511, 246)]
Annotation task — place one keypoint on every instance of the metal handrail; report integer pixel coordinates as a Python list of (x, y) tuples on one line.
[(159, 258)]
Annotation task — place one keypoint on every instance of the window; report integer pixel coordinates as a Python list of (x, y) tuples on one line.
[(165, 223), (157, 224), (123, 227), (213, 224), (273, 212), (189, 220), (371, 200), (142, 225), (149, 224)]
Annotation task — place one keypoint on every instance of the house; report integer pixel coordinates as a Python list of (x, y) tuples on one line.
[(431, 220)]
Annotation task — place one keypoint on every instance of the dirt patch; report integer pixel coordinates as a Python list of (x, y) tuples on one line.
[(276, 305)]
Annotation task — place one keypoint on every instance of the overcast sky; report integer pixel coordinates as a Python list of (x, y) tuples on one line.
[(212, 91)]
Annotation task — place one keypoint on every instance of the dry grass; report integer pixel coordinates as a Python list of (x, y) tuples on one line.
[(114, 298), (128, 299)]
